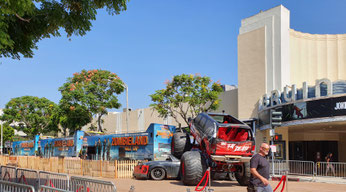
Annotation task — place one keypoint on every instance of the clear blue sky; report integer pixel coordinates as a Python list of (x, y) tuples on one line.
[(153, 41)]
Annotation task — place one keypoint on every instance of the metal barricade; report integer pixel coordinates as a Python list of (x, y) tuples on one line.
[(82, 184), (27, 177), (332, 169), (51, 189), (8, 173), (294, 167), (54, 180), (6, 186), (275, 167)]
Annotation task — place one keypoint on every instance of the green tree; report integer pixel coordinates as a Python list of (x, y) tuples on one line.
[(95, 90), (8, 132), (72, 118), (186, 96), (25, 22), (30, 114)]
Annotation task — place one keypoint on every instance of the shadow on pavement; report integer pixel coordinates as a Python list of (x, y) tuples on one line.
[(213, 183)]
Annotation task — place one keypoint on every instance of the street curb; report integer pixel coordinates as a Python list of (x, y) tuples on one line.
[(289, 179)]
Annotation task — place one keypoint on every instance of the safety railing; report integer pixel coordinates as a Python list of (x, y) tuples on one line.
[(54, 180), (27, 177), (82, 184), (51, 189), (308, 168), (6, 186), (48, 181), (294, 167), (8, 173), (275, 167), (332, 169)]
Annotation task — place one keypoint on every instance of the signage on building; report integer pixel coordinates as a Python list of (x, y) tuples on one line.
[(138, 140), (27, 145), (64, 143), (276, 98), (328, 107), (340, 106)]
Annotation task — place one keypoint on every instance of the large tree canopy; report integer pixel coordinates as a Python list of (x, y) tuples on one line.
[(8, 132), (186, 96), (24, 22), (72, 117), (95, 90), (30, 114)]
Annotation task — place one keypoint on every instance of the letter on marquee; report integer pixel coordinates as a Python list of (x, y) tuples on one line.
[(275, 95), (318, 87), (305, 90), (293, 93)]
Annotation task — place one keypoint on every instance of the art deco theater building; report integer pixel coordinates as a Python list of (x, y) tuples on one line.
[(301, 74)]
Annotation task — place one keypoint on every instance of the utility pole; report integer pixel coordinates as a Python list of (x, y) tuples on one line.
[(275, 121), (2, 131), (127, 108)]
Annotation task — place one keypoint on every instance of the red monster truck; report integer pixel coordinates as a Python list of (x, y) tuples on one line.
[(225, 144)]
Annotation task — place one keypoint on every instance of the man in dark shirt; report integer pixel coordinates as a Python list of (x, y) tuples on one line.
[(259, 167)]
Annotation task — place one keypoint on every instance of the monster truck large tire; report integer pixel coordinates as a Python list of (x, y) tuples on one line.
[(180, 144), (243, 175), (192, 167)]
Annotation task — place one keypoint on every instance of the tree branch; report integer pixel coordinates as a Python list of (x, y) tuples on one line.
[(21, 18)]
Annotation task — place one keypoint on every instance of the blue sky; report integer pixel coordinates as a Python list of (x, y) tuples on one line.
[(153, 41)]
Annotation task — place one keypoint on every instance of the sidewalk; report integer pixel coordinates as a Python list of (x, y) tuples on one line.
[(318, 179)]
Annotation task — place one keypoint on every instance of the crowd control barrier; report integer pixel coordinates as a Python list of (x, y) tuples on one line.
[(82, 184), (275, 167), (51, 189), (294, 167), (6, 186), (54, 180), (308, 168), (332, 169), (27, 177), (8, 173)]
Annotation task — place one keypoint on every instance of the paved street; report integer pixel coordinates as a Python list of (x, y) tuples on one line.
[(123, 185)]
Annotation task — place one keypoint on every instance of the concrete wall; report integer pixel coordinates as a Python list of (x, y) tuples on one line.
[(316, 56), (284, 132), (276, 22), (263, 57), (342, 148), (139, 121), (251, 72), (264, 137), (229, 102)]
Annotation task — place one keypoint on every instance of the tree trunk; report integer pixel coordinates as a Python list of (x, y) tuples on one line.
[(64, 129), (99, 123)]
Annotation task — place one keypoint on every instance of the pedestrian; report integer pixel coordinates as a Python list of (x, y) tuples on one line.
[(329, 164), (317, 161), (318, 157), (259, 168)]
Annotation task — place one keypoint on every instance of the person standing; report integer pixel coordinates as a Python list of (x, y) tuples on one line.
[(329, 165), (259, 168)]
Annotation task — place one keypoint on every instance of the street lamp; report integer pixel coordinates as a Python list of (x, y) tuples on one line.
[(127, 108)]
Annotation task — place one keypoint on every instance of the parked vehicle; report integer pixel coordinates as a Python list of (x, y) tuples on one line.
[(225, 144), (158, 170)]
